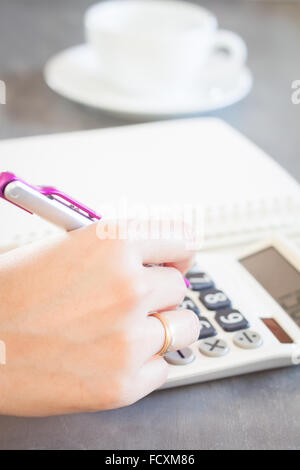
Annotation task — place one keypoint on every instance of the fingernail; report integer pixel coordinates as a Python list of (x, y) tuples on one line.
[(187, 282)]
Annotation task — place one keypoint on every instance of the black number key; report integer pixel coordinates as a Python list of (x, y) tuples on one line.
[(215, 299), (190, 304), (200, 281), (231, 320), (207, 330)]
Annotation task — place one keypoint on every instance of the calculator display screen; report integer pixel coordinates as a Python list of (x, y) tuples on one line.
[(278, 277)]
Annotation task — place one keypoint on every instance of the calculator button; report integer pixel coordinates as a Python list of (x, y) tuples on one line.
[(207, 330), (200, 281), (231, 320), (248, 339), (190, 305), (215, 299), (181, 357), (213, 347)]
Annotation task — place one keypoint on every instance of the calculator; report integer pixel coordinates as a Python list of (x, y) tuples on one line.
[(249, 310)]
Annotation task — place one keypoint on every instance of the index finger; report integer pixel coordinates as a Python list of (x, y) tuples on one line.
[(171, 252)]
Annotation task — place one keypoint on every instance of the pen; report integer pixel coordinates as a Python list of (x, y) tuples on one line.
[(48, 203)]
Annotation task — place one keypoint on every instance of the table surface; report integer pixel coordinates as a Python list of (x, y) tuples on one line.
[(260, 410)]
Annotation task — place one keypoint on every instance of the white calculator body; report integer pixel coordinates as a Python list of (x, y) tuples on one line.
[(249, 310)]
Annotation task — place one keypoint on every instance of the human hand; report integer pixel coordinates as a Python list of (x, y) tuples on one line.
[(74, 315)]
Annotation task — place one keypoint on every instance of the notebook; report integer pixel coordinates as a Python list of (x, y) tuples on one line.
[(244, 193)]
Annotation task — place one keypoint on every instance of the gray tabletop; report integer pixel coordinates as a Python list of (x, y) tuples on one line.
[(260, 410)]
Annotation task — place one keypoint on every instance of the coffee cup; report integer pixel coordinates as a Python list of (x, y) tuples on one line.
[(158, 47)]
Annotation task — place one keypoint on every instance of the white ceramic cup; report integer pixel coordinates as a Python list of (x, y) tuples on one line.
[(158, 47)]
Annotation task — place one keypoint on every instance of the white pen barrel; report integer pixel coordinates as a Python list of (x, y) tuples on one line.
[(49, 209)]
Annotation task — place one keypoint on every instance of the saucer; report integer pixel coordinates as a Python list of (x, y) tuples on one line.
[(76, 74)]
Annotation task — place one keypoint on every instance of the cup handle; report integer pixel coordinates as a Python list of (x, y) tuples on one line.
[(231, 43)]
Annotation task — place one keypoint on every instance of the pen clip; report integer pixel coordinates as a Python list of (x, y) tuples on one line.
[(50, 191)]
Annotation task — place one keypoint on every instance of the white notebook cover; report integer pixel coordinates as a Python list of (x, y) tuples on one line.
[(199, 161)]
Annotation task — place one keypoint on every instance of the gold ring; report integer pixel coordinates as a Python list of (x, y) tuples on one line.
[(168, 336)]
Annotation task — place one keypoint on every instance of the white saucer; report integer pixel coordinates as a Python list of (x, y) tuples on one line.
[(75, 74)]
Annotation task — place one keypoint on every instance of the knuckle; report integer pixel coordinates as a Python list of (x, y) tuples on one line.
[(127, 393), (128, 350), (119, 364), (123, 344), (127, 389), (131, 285), (114, 393), (128, 257), (131, 288), (126, 345), (105, 396)]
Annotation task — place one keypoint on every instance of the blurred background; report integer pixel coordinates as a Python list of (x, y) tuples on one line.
[(257, 411), (34, 30)]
